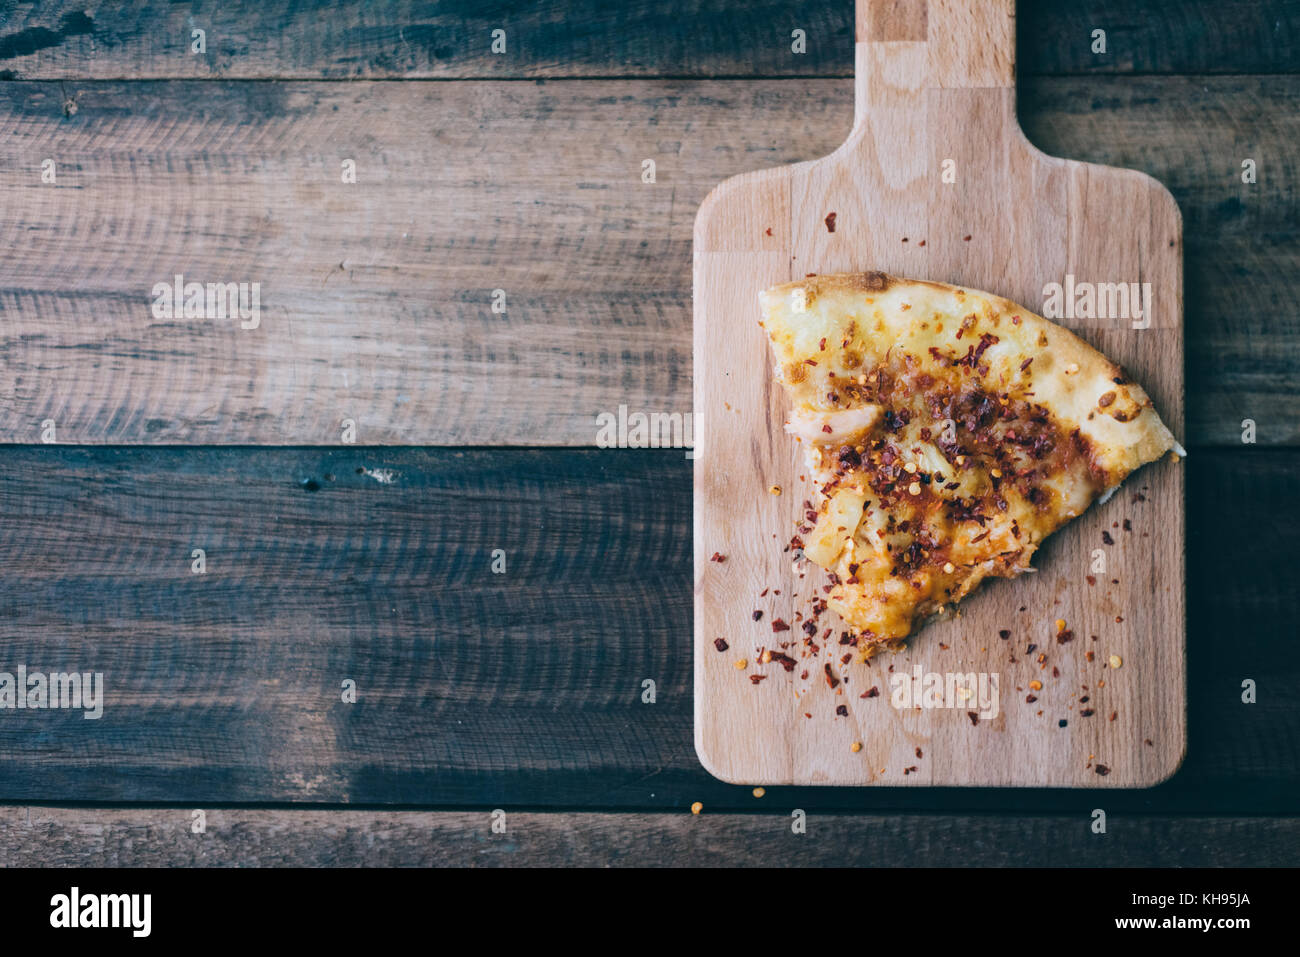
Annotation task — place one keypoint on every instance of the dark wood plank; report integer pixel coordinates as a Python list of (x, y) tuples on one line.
[(475, 688), (155, 837), (1158, 36), (241, 183), (585, 38)]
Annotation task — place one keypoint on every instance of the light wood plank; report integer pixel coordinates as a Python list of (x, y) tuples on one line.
[(535, 189), (163, 837)]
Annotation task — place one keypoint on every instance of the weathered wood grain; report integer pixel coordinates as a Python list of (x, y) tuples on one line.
[(584, 38), (158, 837), (522, 689), (376, 297)]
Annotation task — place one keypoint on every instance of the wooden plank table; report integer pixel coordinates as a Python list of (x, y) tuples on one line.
[(476, 430)]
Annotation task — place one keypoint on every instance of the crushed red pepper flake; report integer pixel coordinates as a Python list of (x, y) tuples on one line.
[(782, 659), (974, 717), (830, 222), (842, 711), (872, 692), (1102, 770), (755, 679), (720, 644), (718, 557), (778, 624)]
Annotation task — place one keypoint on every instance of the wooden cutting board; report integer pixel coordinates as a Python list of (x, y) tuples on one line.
[(935, 94)]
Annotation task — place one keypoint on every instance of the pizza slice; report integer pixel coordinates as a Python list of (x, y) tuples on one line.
[(950, 432)]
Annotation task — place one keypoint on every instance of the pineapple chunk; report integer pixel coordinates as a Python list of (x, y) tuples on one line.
[(836, 527)]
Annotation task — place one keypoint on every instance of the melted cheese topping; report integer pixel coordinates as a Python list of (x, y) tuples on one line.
[(953, 429)]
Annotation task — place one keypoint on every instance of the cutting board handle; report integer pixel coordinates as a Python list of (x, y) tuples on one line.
[(929, 44)]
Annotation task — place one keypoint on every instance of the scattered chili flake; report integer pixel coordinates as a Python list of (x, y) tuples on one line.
[(919, 754), (769, 230), (1114, 715), (718, 557), (1105, 537), (1149, 743), (1065, 637), (1004, 634), (1092, 579), (872, 692), (842, 711), (778, 624), (757, 678), (720, 644), (907, 771), (1128, 526), (782, 659), (1062, 723), (965, 239), (1030, 699), (831, 680), (974, 717), (1103, 770), (830, 222), (1086, 713)]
